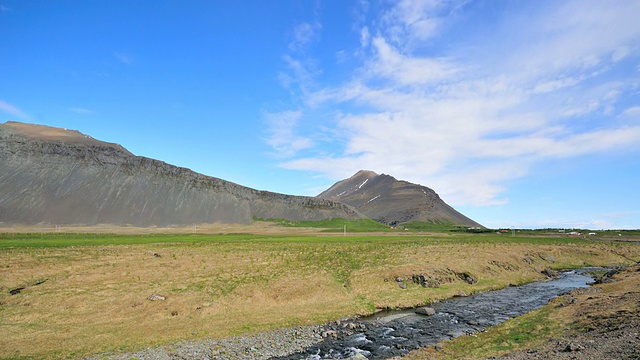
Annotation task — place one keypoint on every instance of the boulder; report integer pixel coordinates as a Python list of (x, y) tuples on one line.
[(428, 311)]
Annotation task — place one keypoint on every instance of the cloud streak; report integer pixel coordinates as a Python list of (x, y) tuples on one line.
[(13, 110)]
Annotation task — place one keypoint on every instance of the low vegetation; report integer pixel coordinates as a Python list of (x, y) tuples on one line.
[(334, 225), (69, 295)]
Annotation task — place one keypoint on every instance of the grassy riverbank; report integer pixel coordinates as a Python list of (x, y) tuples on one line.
[(87, 293), (601, 322)]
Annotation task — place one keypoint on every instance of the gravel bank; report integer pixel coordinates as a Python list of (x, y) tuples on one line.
[(266, 345)]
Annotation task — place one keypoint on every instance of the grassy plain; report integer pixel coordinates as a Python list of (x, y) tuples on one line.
[(87, 293)]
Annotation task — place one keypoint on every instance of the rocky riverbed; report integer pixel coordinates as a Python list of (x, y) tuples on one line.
[(265, 345)]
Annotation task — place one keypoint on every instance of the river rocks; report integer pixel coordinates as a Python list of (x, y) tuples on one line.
[(357, 357), (330, 333), (428, 311), (262, 346), (550, 273)]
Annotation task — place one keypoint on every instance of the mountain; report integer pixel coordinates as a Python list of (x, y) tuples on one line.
[(58, 176), (393, 202)]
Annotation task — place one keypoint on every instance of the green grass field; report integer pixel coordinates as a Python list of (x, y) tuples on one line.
[(87, 293)]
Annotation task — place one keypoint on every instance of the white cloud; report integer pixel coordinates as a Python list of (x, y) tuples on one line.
[(468, 122), (12, 110), (281, 133), (411, 20), (406, 70)]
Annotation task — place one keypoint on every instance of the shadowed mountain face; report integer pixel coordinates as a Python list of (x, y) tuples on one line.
[(59, 176), (393, 202)]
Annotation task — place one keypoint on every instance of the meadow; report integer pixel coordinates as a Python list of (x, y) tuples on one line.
[(81, 294)]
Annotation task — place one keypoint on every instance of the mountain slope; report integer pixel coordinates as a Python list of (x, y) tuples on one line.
[(393, 202), (59, 176)]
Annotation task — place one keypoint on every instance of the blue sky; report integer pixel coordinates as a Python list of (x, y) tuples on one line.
[(518, 113)]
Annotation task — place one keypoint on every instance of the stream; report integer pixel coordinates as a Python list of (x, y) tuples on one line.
[(395, 333)]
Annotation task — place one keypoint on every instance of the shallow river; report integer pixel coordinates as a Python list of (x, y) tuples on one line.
[(396, 333)]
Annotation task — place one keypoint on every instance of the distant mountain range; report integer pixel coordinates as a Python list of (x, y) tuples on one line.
[(394, 202), (57, 176)]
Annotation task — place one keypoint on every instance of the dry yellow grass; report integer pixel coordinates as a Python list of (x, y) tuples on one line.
[(95, 297)]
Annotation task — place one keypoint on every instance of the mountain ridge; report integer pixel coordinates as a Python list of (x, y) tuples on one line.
[(58, 176), (393, 202)]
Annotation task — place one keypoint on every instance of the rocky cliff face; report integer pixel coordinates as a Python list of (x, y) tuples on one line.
[(58, 176), (393, 202)]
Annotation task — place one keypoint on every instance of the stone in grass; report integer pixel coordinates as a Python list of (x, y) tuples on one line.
[(428, 311), (156, 297)]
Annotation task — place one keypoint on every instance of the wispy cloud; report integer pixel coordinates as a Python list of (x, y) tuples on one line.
[(281, 133), (80, 110), (304, 34), (468, 119), (124, 58), (13, 110)]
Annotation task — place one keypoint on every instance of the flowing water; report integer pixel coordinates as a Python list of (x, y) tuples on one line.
[(395, 333)]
